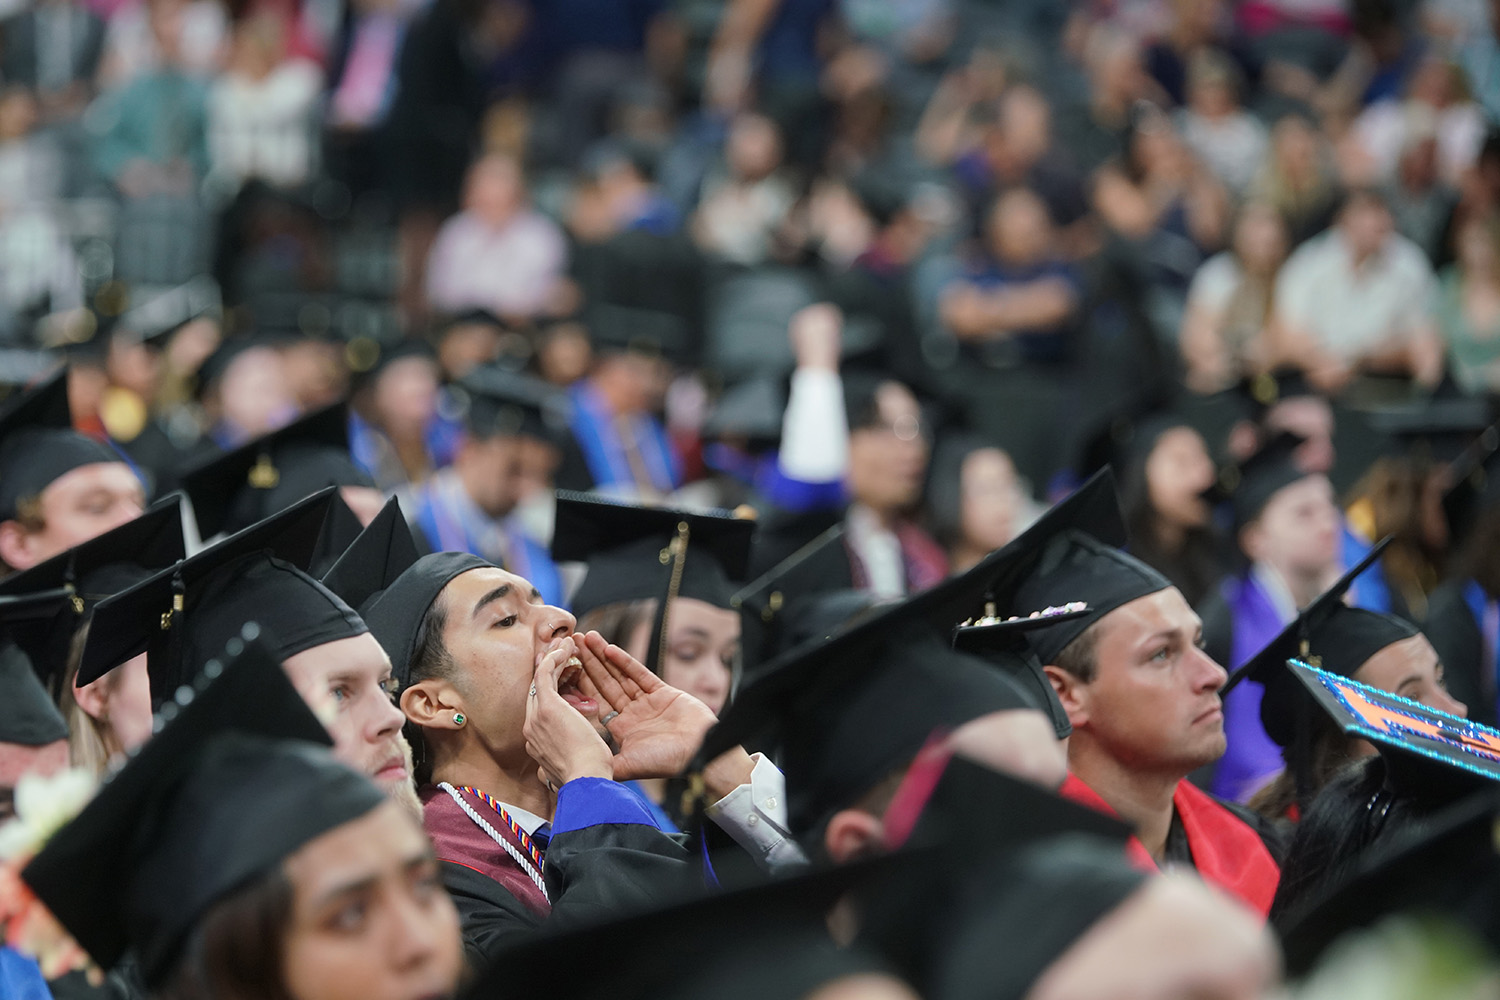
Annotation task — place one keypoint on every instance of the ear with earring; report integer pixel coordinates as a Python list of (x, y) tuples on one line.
[(459, 718)]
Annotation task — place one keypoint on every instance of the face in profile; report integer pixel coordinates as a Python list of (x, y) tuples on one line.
[(887, 461), (347, 682), (1411, 669), (1153, 702), (370, 919), (1178, 470)]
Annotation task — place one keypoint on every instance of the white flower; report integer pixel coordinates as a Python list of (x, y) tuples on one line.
[(43, 806)]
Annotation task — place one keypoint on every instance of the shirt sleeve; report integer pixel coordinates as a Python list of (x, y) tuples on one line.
[(815, 431), (754, 815)]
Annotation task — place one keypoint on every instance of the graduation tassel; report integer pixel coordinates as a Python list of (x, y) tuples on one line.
[(674, 556)]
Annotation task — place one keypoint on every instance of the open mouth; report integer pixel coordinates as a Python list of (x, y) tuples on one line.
[(567, 686)]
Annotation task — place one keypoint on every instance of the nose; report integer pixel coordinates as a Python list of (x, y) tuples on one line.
[(1447, 703), (386, 719), (553, 623), (417, 930), (1210, 676)]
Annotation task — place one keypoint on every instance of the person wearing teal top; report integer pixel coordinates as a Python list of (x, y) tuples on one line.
[(1467, 309)]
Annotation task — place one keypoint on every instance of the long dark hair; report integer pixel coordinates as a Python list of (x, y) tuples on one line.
[(237, 949), (1198, 563)]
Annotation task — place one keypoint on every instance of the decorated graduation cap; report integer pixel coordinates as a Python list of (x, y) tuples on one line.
[(27, 715), (1069, 557), (1002, 642), (235, 780), (395, 613), (507, 404), (1253, 483), (180, 615), (692, 947), (1427, 752), (235, 490), (64, 589), (637, 553), (1447, 867), (383, 551), (850, 708), (38, 443)]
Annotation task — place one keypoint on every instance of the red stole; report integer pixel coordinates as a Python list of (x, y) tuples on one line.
[(1227, 852), (457, 838)]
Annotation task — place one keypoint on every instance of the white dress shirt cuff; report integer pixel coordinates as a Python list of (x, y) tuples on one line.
[(754, 815)]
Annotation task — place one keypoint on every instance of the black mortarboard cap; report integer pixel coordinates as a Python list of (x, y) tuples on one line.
[(507, 404), (1069, 556), (383, 551), (159, 317), (1263, 391), (1439, 429), (616, 329), (266, 476), (84, 575), (1446, 867), (1003, 643), (181, 614), (38, 443), (768, 604), (1126, 439), (236, 778), (686, 948), (340, 528), (638, 553), (749, 411), (395, 615), (1474, 483), (1328, 633), (27, 716), (849, 709), (1253, 483)]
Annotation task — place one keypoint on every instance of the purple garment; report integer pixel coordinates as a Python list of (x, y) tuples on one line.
[(1251, 758)]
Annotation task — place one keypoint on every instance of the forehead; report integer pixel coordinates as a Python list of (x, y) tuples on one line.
[(95, 476), (380, 839), (1414, 653), (691, 613), (1164, 611), (466, 588)]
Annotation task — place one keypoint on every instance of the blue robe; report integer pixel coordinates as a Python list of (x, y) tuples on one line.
[(598, 436)]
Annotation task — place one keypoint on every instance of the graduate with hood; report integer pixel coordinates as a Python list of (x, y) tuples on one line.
[(1287, 526), (1377, 649), (1142, 698), (510, 440)]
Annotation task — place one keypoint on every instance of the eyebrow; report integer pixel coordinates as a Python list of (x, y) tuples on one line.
[(501, 591), (364, 884)]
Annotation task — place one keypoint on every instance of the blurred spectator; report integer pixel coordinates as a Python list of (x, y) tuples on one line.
[(1422, 203), (38, 270), (768, 54), (396, 432), (245, 392), (1297, 178), (976, 500), (1020, 297), (1402, 496), (1435, 105), (622, 448), (1229, 140), (963, 107), (1165, 472), (619, 194), (1017, 149), (1197, 27), (1467, 309), (1170, 212), (1093, 132), (498, 254), (361, 85), (53, 49), (1355, 299), (747, 199), (149, 36), (1223, 334), (261, 109), (1479, 55)]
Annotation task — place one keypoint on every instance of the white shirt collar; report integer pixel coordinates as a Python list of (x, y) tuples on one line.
[(527, 821)]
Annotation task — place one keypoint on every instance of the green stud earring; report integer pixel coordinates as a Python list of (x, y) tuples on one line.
[(458, 718)]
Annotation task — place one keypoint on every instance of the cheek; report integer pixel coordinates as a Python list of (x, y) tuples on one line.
[(331, 966)]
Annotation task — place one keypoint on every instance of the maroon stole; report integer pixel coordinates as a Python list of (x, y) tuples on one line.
[(458, 839), (1227, 852)]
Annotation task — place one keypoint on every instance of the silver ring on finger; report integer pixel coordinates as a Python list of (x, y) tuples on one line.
[(608, 719)]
